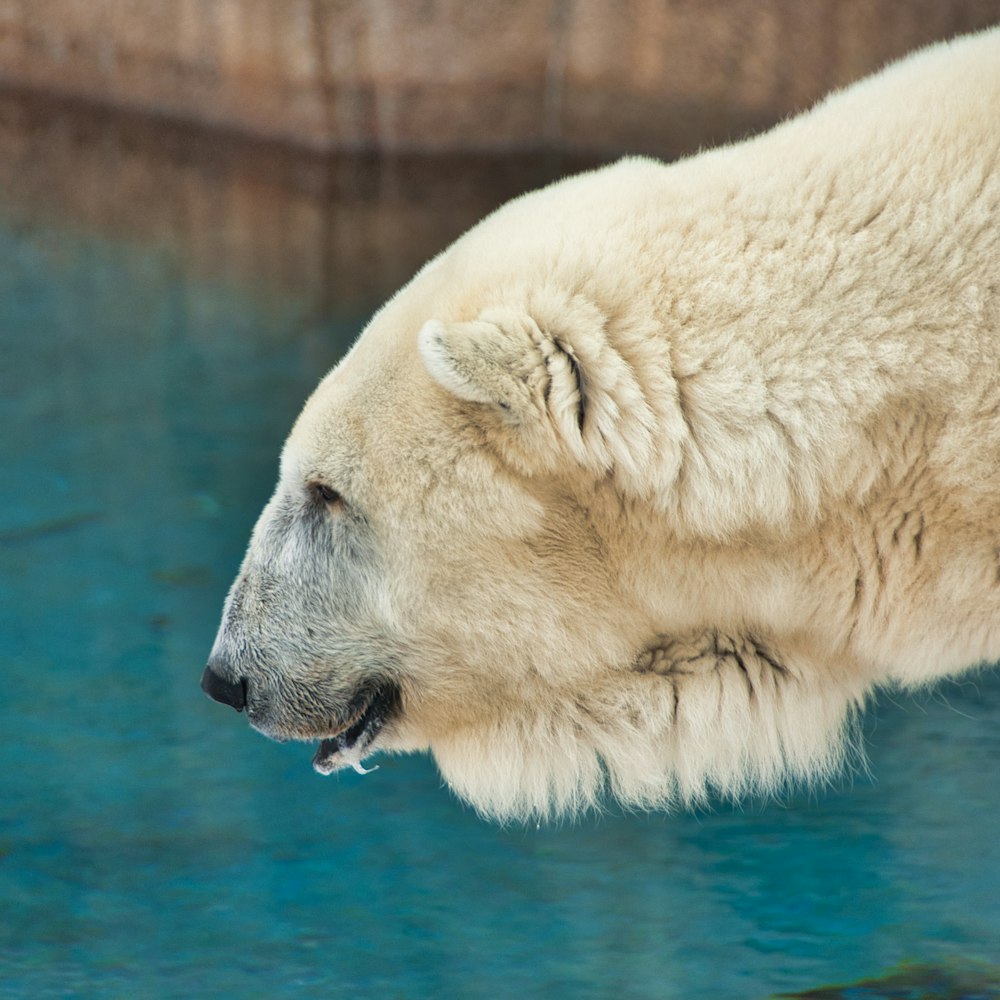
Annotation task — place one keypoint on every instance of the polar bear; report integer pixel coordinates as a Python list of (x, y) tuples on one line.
[(645, 484)]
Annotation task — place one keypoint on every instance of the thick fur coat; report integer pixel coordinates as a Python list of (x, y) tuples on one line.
[(652, 477)]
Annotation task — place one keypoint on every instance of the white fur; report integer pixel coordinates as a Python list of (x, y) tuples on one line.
[(669, 467)]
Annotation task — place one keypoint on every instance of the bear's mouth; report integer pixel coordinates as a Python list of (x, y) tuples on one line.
[(367, 715)]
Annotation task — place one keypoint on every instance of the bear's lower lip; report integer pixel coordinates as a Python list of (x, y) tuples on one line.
[(347, 747)]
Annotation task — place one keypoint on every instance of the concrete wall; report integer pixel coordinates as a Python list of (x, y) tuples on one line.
[(342, 232), (605, 75)]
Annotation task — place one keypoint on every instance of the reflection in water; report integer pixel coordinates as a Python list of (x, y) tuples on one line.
[(336, 232), (926, 982), (166, 303)]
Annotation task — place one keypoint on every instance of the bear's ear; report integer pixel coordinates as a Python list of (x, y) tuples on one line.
[(523, 375), (552, 379), (497, 364)]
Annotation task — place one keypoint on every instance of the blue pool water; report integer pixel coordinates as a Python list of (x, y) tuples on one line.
[(152, 846)]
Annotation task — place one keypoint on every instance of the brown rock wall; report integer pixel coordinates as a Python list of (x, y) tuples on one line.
[(608, 75)]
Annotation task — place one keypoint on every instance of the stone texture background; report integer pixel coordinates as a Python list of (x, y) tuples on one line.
[(279, 146), (661, 76)]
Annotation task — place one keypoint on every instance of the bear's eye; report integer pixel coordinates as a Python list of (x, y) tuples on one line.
[(327, 494)]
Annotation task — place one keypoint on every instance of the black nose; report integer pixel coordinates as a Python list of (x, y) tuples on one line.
[(234, 695)]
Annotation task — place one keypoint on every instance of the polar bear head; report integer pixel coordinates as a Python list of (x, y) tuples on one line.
[(432, 570), (476, 546)]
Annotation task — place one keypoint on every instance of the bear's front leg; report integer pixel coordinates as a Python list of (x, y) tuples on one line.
[(748, 715)]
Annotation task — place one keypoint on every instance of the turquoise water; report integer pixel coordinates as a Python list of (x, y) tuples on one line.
[(153, 846)]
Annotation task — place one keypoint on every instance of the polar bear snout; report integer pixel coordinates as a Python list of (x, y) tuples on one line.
[(220, 689)]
